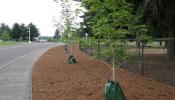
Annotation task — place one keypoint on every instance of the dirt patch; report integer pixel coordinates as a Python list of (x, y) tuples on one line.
[(55, 79)]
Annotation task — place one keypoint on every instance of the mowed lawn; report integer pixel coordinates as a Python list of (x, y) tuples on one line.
[(9, 43)]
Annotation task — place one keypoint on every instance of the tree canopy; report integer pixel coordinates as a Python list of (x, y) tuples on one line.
[(108, 19), (20, 32), (56, 34), (4, 27), (34, 32), (16, 31)]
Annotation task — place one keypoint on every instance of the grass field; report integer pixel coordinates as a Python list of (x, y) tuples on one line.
[(8, 43)]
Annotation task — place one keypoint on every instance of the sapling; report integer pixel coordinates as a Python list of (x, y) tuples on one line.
[(118, 55), (113, 60), (68, 22), (113, 90)]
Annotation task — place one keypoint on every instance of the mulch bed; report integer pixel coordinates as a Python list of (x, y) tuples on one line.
[(55, 79)]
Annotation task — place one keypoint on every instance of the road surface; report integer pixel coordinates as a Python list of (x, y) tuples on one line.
[(16, 69)]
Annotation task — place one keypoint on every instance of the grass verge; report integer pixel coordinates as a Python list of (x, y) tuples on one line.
[(9, 43)]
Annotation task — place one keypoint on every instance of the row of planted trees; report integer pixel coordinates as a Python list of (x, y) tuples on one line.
[(107, 21), (18, 32), (113, 20)]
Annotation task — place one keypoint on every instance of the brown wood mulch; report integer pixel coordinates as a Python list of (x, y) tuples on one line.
[(54, 79)]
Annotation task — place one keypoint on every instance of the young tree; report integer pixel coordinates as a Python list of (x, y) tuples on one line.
[(110, 21), (4, 27), (5, 35), (67, 23), (57, 34)]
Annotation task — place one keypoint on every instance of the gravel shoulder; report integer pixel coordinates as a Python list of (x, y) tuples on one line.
[(54, 79)]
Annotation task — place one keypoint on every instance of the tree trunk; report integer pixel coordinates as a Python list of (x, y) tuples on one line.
[(170, 20), (160, 42)]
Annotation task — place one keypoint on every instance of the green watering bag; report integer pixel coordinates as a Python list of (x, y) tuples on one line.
[(113, 91), (71, 60)]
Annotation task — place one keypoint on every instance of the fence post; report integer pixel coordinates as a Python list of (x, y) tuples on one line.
[(121, 48), (86, 46), (98, 49), (139, 48), (80, 45), (142, 58), (91, 48)]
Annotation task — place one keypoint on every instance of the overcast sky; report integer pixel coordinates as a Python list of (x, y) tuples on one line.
[(39, 12)]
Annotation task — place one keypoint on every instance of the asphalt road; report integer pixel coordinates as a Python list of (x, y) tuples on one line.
[(16, 69)]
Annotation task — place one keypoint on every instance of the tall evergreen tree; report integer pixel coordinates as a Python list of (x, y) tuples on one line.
[(16, 32), (159, 15), (24, 31), (34, 31)]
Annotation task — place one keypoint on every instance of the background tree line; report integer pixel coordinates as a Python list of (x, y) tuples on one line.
[(107, 18), (159, 16), (18, 32)]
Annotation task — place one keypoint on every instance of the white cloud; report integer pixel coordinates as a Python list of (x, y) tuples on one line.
[(40, 12)]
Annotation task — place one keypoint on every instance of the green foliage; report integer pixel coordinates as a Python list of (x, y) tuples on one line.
[(109, 19), (139, 29), (154, 16), (4, 27), (145, 38), (24, 32), (112, 21), (21, 32), (5, 35), (16, 31), (8, 43), (56, 34), (34, 31), (116, 49), (67, 21)]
